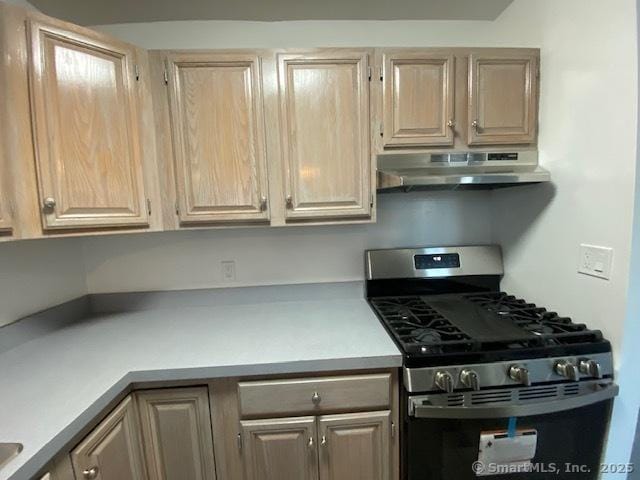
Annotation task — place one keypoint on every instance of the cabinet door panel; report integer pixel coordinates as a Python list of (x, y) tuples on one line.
[(280, 448), (325, 127), (86, 130), (502, 100), (355, 446), (218, 133), (418, 99), (176, 428), (113, 448)]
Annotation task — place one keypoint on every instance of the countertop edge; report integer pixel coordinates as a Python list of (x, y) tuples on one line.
[(39, 460)]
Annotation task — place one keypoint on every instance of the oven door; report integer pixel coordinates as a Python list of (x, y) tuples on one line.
[(442, 435)]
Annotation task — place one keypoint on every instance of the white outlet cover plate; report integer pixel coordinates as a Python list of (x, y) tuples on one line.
[(228, 270), (595, 261)]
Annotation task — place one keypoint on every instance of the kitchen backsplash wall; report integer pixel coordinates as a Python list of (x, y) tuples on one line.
[(38, 274), (263, 256)]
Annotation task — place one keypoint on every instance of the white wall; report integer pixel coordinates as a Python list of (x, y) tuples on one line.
[(283, 255), (37, 274), (588, 132)]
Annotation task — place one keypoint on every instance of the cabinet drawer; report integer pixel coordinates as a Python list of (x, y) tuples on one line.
[(314, 395)]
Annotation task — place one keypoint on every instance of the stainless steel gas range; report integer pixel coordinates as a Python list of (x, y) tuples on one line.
[(493, 385)]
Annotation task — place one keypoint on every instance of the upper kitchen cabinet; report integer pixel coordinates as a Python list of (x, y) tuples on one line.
[(324, 112), (218, 135), (86, 127), (418, 98), (503, 98)]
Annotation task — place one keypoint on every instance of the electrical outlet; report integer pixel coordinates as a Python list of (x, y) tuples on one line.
[(595, 261), (228, 270)]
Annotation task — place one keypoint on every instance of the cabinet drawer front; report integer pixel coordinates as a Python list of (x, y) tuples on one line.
[(314, 395)]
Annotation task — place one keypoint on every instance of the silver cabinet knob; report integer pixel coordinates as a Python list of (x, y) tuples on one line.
[(567, 370), (444, 381), (591, 368), (263, 204), (323, 441), (289, 201), (90, 473), (316, 398), (519, 374), (469, 378), (475, 124), (310, 443), (49, 203), (451, 123)]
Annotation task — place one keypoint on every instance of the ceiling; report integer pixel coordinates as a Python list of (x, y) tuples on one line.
[(102, 12)]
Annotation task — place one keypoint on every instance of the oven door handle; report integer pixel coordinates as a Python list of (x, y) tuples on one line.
[(418, 409)]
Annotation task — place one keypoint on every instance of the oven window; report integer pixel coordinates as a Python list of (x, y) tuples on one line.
[(445, 449)]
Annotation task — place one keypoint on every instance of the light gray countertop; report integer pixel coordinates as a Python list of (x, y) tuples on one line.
[(53, 385)]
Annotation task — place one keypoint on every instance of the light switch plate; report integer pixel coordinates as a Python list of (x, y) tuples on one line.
[(595, 261)]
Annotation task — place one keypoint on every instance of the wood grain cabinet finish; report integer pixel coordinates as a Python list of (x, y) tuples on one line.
[(217, 124), (324, 111), (355, 446), (418, 99), (86, 129), (112, 450), (176, 430), (503, 99), (281, 448)]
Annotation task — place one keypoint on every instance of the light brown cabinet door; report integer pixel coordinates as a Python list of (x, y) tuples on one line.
[(218, 133), (324, 104), (355, 446), (86, 129), (418, 98), (280, 448), (112, 450), (176, 429), (503, 99)]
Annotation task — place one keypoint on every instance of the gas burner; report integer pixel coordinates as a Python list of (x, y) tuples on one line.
[(426, 335)]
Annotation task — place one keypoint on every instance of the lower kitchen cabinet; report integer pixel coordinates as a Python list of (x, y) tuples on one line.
[(176, 431), (337, 427), (355, 446), (280, 448), (112, 451)]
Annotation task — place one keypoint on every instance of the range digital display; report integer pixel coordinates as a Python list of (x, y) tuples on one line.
[(436, 260)]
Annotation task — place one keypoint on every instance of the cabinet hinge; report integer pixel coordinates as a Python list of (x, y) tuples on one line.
[(381, 129), (149, 206), (177, 209), (136, 69), (166, 76), (381, 75), (239, 441), (369, 72), (393, 430), (371, 200)]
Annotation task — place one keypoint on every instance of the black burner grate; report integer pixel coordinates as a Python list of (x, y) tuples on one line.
[(420, 329)]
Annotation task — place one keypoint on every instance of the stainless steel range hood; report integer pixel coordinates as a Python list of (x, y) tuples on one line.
[(459, 170)]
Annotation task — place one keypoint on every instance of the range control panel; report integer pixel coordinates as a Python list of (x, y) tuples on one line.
[(436, 260)]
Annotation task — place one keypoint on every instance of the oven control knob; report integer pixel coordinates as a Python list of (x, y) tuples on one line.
[(444, 381), (519, 374), (591, 368), (469, 378), (567, 370)]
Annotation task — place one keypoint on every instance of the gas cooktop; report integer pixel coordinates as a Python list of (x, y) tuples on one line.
[(483, 324), (444, 305)]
